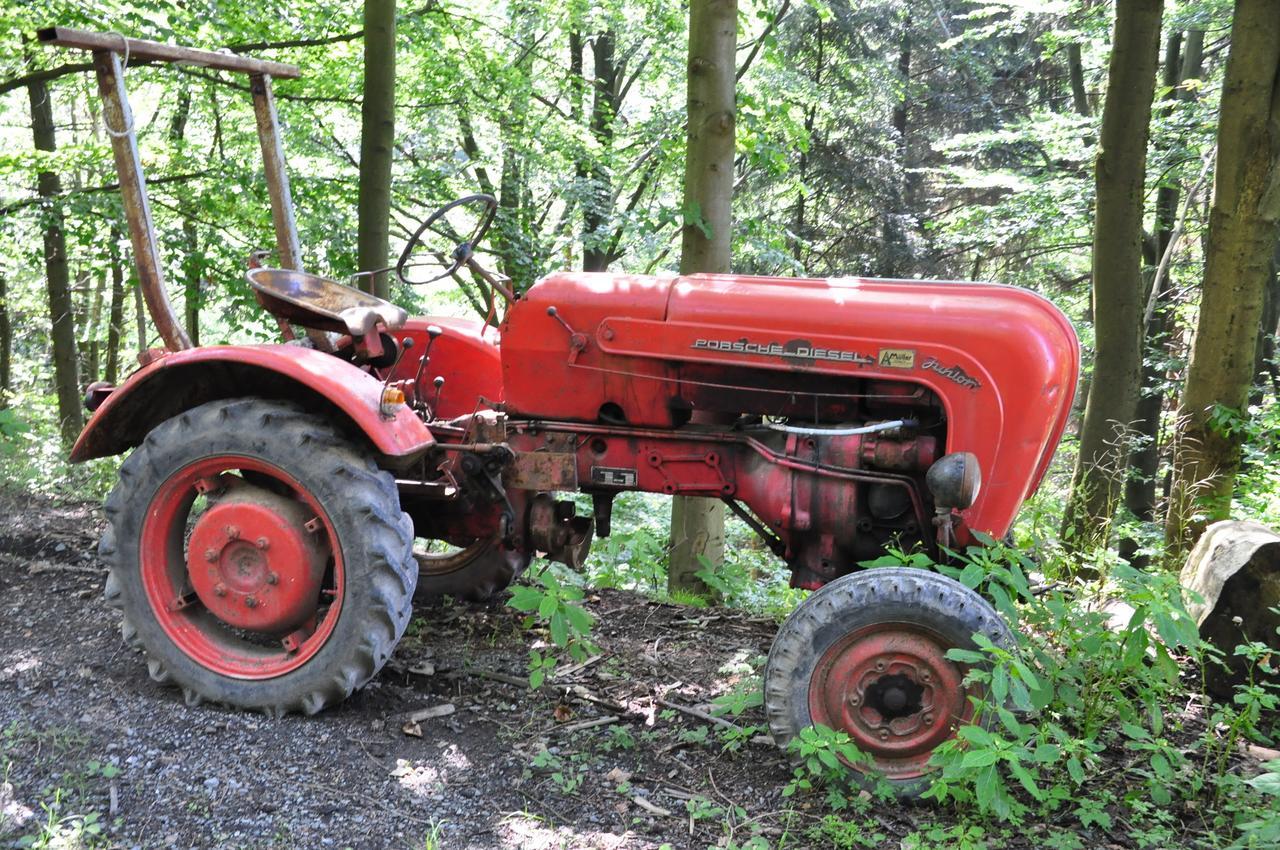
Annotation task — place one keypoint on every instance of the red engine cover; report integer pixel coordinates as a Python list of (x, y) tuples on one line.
[(1002, 360)]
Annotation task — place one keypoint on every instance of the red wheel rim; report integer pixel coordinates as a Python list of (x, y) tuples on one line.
[(297, 559), (892, 689)]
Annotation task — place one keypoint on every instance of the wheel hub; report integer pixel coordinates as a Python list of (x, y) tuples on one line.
[(892, 689), (254, 562)]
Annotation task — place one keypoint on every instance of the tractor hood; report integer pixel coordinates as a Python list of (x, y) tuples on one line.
[(1001, 361)]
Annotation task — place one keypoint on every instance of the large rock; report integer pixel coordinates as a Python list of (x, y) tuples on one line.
[(1233, 574)]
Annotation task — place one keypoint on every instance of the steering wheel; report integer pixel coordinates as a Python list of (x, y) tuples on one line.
[(439, 225)]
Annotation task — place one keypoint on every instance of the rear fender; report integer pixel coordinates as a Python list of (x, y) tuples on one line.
[(320, 382)]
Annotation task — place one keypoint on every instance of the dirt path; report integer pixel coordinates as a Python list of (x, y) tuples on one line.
[(83, 726)]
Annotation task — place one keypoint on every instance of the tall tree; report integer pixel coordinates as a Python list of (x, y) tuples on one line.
[(1242, 231), (6, 343), (115, 315), (1120, 169), (377, 137), (697, 525), (62, 320), (1182, 63)]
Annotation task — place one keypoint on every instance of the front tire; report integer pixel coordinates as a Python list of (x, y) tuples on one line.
[(866, 655), (259, 558)]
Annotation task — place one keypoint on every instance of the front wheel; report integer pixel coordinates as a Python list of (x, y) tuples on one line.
[(259, 557), (866, 655)]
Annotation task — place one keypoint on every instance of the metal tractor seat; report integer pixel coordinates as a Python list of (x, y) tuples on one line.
[(317, 302)]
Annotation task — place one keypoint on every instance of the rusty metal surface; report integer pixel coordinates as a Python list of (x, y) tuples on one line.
[(288, 249), (137, 209), (336, 306), (542, 470), (142, 49)]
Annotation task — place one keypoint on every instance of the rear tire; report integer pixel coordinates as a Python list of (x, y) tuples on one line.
[(354, 603), (474, 573), (865, 654)]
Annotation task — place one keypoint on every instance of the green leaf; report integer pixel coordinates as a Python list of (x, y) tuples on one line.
[(976, 735), (971, 576), (980, 758), (548, 606), (559, 629), (525, 598)]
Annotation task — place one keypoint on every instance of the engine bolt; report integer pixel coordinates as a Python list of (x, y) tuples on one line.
[(262, 543), (251, 602), (211, 555), (219, 590), (232, 532), (273, 578), (884, 734)]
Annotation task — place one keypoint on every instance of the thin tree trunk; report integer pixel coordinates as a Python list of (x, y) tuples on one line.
[(115, 320), (1144, 461), (1242, 233), (894, 250), (61, 317), (1075, 73), (191, 263), (597, 212), (1120, 170), (377, 140), (91, 343), (6, 345), (697, 525), (141, 311)]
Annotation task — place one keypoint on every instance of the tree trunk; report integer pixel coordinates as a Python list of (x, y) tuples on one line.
[(6, 344), (598, 209), (92, 346), (1144, 461), (1242, 234), (115, 315), (894, 249), (697, 525), (1120, 170), (1075, 72), (377, 138), (191, 263), (62, 321)]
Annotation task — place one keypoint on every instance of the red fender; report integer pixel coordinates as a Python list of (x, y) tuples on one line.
[(181, 380)]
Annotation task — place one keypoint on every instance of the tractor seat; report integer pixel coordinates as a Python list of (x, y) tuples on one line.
[(316, 302)]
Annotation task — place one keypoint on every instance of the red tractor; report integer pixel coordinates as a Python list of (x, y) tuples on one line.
[(261, 536)]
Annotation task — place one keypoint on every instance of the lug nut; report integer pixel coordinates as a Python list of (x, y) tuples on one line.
[(262, 543), (273, 578), (232, 532), (251, 602), (219, 590), (928, 719), (924, 676), (879, 666), (884, 734), (854, 700), (211, 555)]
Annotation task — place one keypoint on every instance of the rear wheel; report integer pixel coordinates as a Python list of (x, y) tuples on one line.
[(259, 558), (866, 655), (474, 572)]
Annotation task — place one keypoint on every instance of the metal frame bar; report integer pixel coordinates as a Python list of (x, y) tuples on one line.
[(137, 208), (106, 49), (156, 51)]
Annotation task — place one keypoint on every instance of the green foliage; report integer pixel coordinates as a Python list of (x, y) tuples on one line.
[(553, 602)]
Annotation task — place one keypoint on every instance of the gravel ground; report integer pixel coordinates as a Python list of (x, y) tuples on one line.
[(85, 732)]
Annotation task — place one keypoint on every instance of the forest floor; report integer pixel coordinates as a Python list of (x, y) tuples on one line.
[(597, 759)]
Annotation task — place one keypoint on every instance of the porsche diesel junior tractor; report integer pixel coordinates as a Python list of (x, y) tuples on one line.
[(261, 537)]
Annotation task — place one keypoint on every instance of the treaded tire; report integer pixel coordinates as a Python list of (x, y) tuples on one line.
[(863, 602), (362, 505), (480, 575)]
